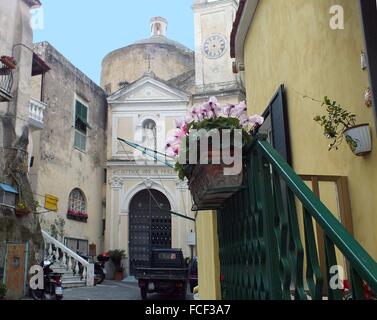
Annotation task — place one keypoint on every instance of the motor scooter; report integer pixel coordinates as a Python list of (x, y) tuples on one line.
[(52, 283)]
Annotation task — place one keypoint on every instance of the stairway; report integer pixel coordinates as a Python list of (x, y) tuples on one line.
[(69, 278), (76, 271)]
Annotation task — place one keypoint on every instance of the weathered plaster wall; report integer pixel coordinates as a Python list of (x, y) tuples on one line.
[(58, 166), (14, 132), (291, 43), (130, 63)]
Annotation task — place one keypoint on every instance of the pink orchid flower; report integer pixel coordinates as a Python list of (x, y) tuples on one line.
[(240, 110), (179, 123), (256, 120), (228, 110), (172, 151)]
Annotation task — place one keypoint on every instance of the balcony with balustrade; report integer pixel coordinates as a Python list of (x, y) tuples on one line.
[(7, 65), (36, 113)]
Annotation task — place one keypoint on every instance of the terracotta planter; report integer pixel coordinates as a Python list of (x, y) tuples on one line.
[(118, 275), (20, 212), (208, 184), (10, 62), (359, 139)]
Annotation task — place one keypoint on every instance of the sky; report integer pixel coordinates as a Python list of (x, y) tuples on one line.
[(84, 31)]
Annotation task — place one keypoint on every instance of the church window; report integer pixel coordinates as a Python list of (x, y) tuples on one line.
[(81, 125), (77, 201)]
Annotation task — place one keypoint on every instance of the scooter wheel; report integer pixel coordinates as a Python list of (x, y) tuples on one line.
[(37, 294)]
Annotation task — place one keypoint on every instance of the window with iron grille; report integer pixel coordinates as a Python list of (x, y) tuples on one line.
[(79, 246), (81, 125), (77, 201)]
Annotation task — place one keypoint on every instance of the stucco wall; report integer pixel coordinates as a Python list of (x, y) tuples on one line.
[(291, 43), (130, 63), (208, 256), (58, 166)]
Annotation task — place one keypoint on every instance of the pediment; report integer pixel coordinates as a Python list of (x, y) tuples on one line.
[(148, 90)]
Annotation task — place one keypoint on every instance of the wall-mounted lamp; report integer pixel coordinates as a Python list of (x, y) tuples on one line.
[(364, 63)]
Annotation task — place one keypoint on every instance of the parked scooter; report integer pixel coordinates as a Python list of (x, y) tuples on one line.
[(52, 289), (99, 266)]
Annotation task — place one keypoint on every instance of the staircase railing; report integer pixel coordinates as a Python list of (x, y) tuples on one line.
[(269, 249), (69, 259)]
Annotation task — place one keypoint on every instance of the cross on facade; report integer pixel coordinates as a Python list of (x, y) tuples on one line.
[(149, 58)]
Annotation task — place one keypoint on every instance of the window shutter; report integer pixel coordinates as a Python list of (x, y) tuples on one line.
[(276, 116)]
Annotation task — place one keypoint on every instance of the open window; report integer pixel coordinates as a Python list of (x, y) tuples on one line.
[(81, 125)]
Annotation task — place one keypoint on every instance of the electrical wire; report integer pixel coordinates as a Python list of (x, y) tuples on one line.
[(149, 189)]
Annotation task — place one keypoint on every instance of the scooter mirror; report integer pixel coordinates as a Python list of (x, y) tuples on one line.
[(46, 263)]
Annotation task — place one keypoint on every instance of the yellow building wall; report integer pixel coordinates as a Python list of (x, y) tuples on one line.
[(208, 256), (291, 43)]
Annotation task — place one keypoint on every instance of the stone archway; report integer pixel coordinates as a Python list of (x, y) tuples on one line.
[(150, 226)]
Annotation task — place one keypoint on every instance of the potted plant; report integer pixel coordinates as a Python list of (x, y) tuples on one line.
[(9, 62), (3, 291), (116, 256), (340, 125), (22, 209), (207, 176)]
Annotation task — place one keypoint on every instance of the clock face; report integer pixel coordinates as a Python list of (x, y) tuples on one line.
[(215, 46)]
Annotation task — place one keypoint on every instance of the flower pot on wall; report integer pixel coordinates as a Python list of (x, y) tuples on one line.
[(209, 185), (359, 139), (21, 212), (10, 62)]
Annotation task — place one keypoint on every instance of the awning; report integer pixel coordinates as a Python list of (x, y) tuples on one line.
[(39, 66), (8, 188)]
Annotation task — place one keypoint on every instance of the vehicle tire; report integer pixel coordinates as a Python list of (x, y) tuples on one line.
[(143, 293), (99, 277), (37, 294)]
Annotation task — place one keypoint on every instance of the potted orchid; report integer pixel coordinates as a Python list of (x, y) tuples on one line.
[(202, 145)]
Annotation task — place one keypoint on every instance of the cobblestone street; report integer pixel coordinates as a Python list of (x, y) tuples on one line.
[(113, 290)]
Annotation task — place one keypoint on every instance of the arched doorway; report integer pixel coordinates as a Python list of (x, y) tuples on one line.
[(149, 226)]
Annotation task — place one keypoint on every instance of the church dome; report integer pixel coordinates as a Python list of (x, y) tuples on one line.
[(167, 58)]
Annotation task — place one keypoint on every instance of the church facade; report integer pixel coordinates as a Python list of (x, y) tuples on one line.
[(151, 83)]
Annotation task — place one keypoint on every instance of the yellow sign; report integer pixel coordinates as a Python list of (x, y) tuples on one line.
[(51, 202)]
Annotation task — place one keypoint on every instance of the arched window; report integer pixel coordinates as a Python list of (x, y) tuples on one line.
[(150, 134), (77, 201)]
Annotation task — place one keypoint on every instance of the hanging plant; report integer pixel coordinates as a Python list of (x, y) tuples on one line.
[(208, 183), (340, 124)]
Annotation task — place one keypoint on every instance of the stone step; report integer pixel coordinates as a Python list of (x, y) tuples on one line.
[(74, 284), (71, 278)]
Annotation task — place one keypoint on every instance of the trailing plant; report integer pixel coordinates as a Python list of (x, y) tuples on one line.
[(57, 229), (335, 123), (209, 116)]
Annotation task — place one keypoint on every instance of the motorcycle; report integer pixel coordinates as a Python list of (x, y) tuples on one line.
[(52, 284), (99, 266)]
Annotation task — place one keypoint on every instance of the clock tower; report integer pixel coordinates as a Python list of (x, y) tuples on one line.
[(213, 64)]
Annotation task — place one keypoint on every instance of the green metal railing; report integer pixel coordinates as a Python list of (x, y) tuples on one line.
[(269, 248)]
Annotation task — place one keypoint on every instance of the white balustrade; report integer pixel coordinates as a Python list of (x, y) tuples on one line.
[(36, 110), (63, 253)]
